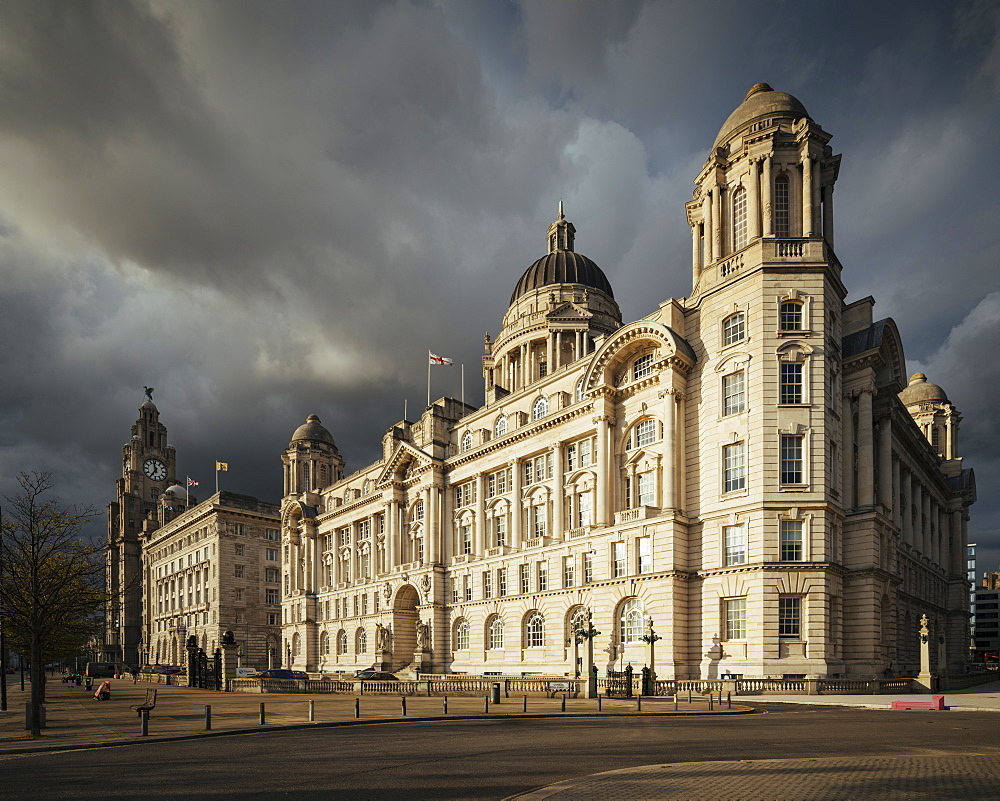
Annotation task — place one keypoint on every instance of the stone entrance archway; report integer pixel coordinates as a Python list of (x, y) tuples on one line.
[(404, 626)]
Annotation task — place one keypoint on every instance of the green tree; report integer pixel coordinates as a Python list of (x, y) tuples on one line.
[(51, 577)]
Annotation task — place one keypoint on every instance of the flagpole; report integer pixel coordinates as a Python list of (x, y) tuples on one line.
[(428, 378), (216, 478), (187, 491), (404, 410), (463, 389)]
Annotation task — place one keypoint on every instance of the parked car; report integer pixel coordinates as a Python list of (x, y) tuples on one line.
[(375, 675), (281, 673)]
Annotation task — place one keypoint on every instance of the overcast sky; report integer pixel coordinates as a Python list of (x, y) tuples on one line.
[(266, 210)]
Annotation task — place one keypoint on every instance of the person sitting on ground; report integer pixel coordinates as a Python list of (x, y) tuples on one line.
[(103, 691)]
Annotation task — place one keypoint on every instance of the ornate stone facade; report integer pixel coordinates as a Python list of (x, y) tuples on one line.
[(741, 469)]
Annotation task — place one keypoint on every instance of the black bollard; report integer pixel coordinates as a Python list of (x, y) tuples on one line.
[(486, 704), (638, 703), (312, 711), (402, 698), (208, 717), (675, 702), (446, 705), (598, 703), (563, 703), (145, 722), (524, 703), (262, 719), (357, 707), (729, 700)]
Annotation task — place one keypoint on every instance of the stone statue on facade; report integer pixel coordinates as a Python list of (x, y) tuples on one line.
[(423, 636), (381, 637)]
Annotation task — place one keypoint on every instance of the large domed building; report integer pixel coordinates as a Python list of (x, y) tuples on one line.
[(744, 476)]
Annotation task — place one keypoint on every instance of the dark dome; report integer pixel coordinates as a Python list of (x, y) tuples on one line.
[(311, 430), (761, 101), (562, 267)]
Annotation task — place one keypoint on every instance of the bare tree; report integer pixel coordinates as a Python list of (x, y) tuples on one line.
[(51, 576)]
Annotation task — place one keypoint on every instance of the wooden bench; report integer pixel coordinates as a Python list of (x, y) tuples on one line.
[(936, 704), (148, 705)]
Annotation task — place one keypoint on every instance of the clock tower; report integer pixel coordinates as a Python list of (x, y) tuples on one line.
[(148, 469)]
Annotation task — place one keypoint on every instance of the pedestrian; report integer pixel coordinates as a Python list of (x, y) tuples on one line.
[(103, 691)]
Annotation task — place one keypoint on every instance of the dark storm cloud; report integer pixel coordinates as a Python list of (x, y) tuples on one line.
[(271, 209)]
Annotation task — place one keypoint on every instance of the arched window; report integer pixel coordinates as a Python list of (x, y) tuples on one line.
[(734, 328), (462, 636), (632, 623), (325, 643), (366, 488), (418, 511), (536, 630), (739, 218), (466, 441), (496, 633), (540, 409), (644, 433), (781, 206), (500, 427), (642, 366), (579, 621), (362, 641), (295, 645), (578, 395), (790, 318), (342, 642)]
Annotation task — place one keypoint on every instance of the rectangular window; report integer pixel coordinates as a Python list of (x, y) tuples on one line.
[(791, 383), (588, 567), (543, 576), (790, 316), (467, 588), (241, 529), (781, 207), (525, 576), (271, 554), (733, 328), (241, 617), (466, 539), (271, 534), (239, 594), (733, 393), (465, 494), (618, 559), (791, 458), (645, 487), (791, 540), (586, 510), (736, 619), (645, 554), (364, 604), (529, 472), (569, 572), (240, 550), (271, 575), (735, 538), (271, 596), (364, 529), (645, 433), (502, 582), (240, 571), (585, 453), (455, 590), (272, 619), (571, 462), (734, 467), (487, 584), (789, 617), (538, 520), (375, 601), (500, 531)]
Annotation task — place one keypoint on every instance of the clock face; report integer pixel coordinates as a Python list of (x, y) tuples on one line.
[(155, 469)]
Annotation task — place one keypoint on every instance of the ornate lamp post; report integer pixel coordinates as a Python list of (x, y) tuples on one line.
[(586, 633), (650, 638)]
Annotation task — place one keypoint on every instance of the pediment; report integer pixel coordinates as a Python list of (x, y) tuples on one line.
[(569, 312), (405, 460)]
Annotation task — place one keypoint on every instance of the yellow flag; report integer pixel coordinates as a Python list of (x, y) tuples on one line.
[(223, 466)]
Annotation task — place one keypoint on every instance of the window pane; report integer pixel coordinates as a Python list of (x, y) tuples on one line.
[(791, 459), (739, 218), (642, 367), (733, 394), (791, 540), (735, 467), (791, 383), (735, 538), (645, 433), (645, 489), (736, 619), (789, 617), (781, 206), (733, 329), (791, 316)]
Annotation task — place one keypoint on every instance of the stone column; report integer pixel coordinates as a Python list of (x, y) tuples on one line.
[(866, 473), (817, 199), (917, 502), (550, 355), (897, 487), (925, 523), (717, 223), (558, 527), (924, 678), (479, 534), (603, 466), (828, 213), (695, 254), (669, 487), (767, 198), (849, 477), (753, 210), (885, 482), (709, 235), (433, 531), (807, 198), (516, 510)]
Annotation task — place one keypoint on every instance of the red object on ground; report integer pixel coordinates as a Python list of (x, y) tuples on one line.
[(936, 704)]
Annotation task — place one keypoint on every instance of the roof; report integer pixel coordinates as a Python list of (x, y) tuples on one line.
[(760, 102), (312, 431), (562, 267), (920, 390), (865, 339)]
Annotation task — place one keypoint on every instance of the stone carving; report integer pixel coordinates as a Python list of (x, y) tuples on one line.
[(149, 393), (387, 591), (425, 583), (423, 636), (381, 637)]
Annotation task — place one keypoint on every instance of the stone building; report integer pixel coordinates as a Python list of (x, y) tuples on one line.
[(149, 466), (745, 472), (212, 568)]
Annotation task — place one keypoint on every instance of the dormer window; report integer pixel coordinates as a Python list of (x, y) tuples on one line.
[(540, 409), (500, 427), (734, 328), (642, 366), (466, 441)]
